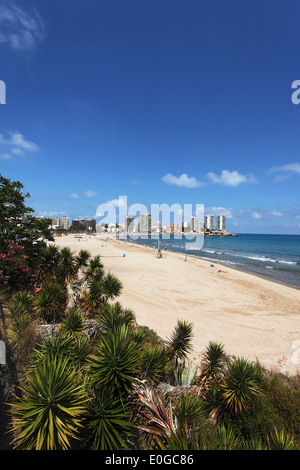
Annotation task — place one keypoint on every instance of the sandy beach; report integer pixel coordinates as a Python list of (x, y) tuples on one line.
[(252, 317)]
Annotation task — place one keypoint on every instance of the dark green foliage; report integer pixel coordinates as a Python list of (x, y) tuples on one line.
[(16, 223), (49, 413), (117, 362), (106, 425)]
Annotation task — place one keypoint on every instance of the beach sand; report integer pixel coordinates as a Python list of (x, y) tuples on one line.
[(252, 317)]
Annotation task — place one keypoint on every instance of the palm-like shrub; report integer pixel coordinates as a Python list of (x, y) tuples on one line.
[(214, 361), (188, 410), (180, 343), (94, 269), (21, 303), (178, 347), (67, 267), (75, 348), (107, 422), (22, 335), (91, 299), (72, 325), (50, 303), (111, 287), (155, 363), (46, 263), (241, 384), (49, 413), (117, 361), (82, 259), (113, 316)]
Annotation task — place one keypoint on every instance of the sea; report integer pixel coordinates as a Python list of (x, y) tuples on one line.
[(274, 257)]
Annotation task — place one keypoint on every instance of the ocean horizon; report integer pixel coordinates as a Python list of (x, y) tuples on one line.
[(272, 256)]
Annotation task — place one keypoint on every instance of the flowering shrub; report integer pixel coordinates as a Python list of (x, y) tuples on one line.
[(15, 274)]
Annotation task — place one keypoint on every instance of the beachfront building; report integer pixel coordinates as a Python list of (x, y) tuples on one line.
[(221, 223), (195, 224), (64, 223), (129, 224), (144, 223), (209, 223), (156, 227), (86, 224), (54, 223), (186, 227)]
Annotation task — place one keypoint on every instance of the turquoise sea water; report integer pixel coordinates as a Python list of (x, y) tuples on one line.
[(276, 257)]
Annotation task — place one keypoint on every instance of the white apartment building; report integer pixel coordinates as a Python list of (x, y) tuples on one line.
[(209, 222), (221, 223), (144, 223)]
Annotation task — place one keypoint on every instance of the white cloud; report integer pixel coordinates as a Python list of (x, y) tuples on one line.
[(231, 178), (183, 181), (116, 202), (21, 29), (5, 156), (256, 215), (285, 171), (221, 211), (50, 213), (276, 213), (87, 194), (18, 144)]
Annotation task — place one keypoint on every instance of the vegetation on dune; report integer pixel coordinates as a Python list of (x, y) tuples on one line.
[(90, 377)]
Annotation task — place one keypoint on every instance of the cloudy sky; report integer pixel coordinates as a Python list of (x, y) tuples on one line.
[(164, 102)]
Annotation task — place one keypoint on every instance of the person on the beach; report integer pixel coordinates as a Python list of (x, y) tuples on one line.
[(159, 253)]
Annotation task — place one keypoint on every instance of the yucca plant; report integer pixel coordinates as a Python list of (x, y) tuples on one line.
[(46, 263), (76, 349), (242, 382), (188, 410), (111, 287), (72, 324), (107, 424), (279, 440), (117, 361), (67, 267), (49, 414), (50, 303), (94, 269), (178, 347), (21, 303), (23, 335), (91, 299), (155, 362), (213, 361), (82, 259), (112, 316)]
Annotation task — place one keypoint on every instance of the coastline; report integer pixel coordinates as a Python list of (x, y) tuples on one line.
[(251, 316)]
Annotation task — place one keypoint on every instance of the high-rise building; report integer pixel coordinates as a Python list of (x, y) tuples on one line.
[(144, 223), (129, 224), (156, 227), (209, 223), (64, 222), (195, 224), (221, 223), (88, 224)]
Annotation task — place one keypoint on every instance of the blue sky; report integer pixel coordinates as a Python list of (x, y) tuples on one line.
[(162, 101)]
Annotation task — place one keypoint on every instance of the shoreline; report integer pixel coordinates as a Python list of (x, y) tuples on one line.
[(251, 316), (223, 263)]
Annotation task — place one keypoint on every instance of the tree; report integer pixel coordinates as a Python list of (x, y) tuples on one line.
[(16, 223)]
